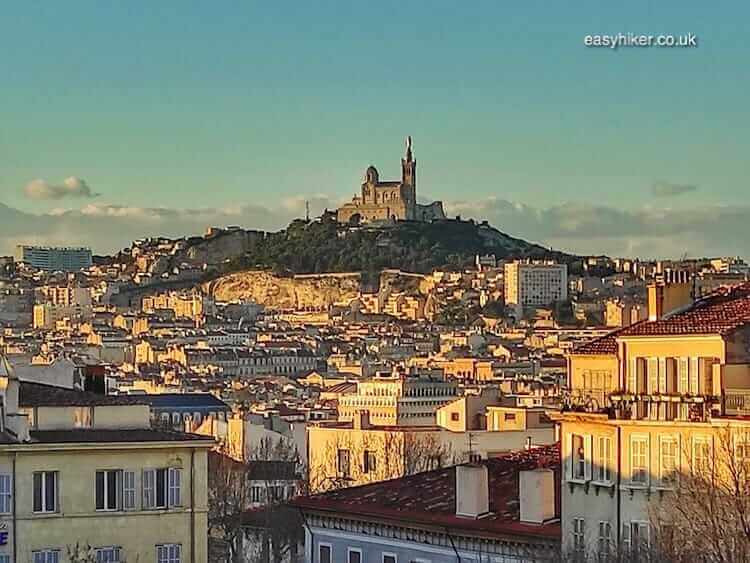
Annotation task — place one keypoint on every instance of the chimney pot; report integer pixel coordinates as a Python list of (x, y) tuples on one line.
[(537, 495), (472, 490)]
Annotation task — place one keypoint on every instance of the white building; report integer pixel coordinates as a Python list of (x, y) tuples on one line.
[(535, 284)]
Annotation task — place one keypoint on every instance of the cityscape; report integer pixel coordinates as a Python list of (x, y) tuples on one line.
[(297, 362)]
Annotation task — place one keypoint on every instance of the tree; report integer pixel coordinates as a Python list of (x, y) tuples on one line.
[(228, 497), (706, 517), (84, 553)]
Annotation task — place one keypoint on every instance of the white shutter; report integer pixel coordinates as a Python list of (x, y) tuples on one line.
[(694, 376), (175, 482), (682, 382), (652, 376), (632, 375), (571, 461), (662, 375), (149, 488), (626, 537), (587, 451)]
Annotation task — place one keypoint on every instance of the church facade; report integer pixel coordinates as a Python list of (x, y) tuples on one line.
[(390, 201)]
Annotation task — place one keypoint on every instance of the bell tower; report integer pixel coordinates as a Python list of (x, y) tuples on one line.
[(409, 173)]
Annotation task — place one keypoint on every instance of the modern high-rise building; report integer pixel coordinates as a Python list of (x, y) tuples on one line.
[(529, 284), (53, 259)]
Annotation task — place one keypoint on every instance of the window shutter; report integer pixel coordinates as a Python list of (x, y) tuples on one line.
[(626, 536), (569, 464), (175, 482), (683, 375), (587, 450), (694, 376), (653, 375), (149, 490), (662, 375), (632, 375)]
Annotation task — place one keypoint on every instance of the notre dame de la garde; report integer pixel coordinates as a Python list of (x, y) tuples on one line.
[(390, 201)]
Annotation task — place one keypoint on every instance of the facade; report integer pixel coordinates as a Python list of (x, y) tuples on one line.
[(535, 284), (502, 510), (649, 402), (398, 399), (82, 468), (175, 410), (53, 259), (387, 201)]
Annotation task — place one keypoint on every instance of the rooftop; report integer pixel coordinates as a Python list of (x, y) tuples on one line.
[(41, 395), (90, 436), (430, 498)]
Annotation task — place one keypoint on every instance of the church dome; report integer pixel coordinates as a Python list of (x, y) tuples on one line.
[(371, 175)]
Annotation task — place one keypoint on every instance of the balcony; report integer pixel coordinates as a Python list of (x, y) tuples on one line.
[(663, 407)]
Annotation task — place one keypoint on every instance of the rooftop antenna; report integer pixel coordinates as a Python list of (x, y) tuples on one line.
[(307, 211)]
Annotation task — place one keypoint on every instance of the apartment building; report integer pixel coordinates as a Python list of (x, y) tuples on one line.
[(650, 403), (398, 399), (53, 259), (83, 468), (529, 284)]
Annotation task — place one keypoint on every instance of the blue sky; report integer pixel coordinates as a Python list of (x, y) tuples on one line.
[(180, 105)]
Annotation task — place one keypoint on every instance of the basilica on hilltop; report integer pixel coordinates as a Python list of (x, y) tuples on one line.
[(390, 201)]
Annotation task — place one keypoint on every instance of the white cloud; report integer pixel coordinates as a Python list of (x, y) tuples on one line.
[(71, 187), (668, 189)]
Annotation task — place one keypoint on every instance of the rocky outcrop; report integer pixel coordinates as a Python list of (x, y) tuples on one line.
[(313, 291)]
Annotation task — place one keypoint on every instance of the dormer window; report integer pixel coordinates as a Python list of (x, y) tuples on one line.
[(83, 417)]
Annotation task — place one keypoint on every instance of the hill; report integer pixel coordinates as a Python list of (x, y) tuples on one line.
[(325, 246)]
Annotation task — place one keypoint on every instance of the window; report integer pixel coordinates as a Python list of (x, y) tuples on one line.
[(6, 494), (169, 553), (256, 493), (109, 489), (668, 459), (46, 556), (128, 490), (354, 555), (635, 538), (107, 554), (579, 536), (389, 558), (4, 558), (701, 455), (369, 462), (45, 493), (324, 553), (603, 457), (580, 457), (344, 468), (604, 541), (161, 488), (82, 417), (639, 460)]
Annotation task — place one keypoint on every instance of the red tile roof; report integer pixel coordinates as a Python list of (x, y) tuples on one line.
[(430, 498), (721, 312)]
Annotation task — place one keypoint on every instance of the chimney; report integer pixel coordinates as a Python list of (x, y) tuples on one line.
[(472, 491), (536, 493), (361, 420), (671, 292)]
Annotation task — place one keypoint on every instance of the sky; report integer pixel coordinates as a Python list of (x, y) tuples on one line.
[(127, 119)]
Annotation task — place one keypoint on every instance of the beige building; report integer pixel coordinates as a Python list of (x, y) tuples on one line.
[(529, 284), (398, 399), (648, 402), (78, 467)]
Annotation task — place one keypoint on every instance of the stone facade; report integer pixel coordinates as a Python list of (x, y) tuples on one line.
[(390, 201)]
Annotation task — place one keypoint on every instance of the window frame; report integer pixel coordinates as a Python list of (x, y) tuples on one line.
[(44, 509), (603, 540), (115, 549), (329, 547), (46, 554), (127, 491), (641, 439), (6, 496), (666, 480), (390, 554), (105, 490), (357, 550), (603, 460), (697, 444), (579, 535), (167, 547)]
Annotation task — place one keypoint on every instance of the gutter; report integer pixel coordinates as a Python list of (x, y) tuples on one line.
[(618, 533), (192, 506), (453, 545), (15, 517)]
